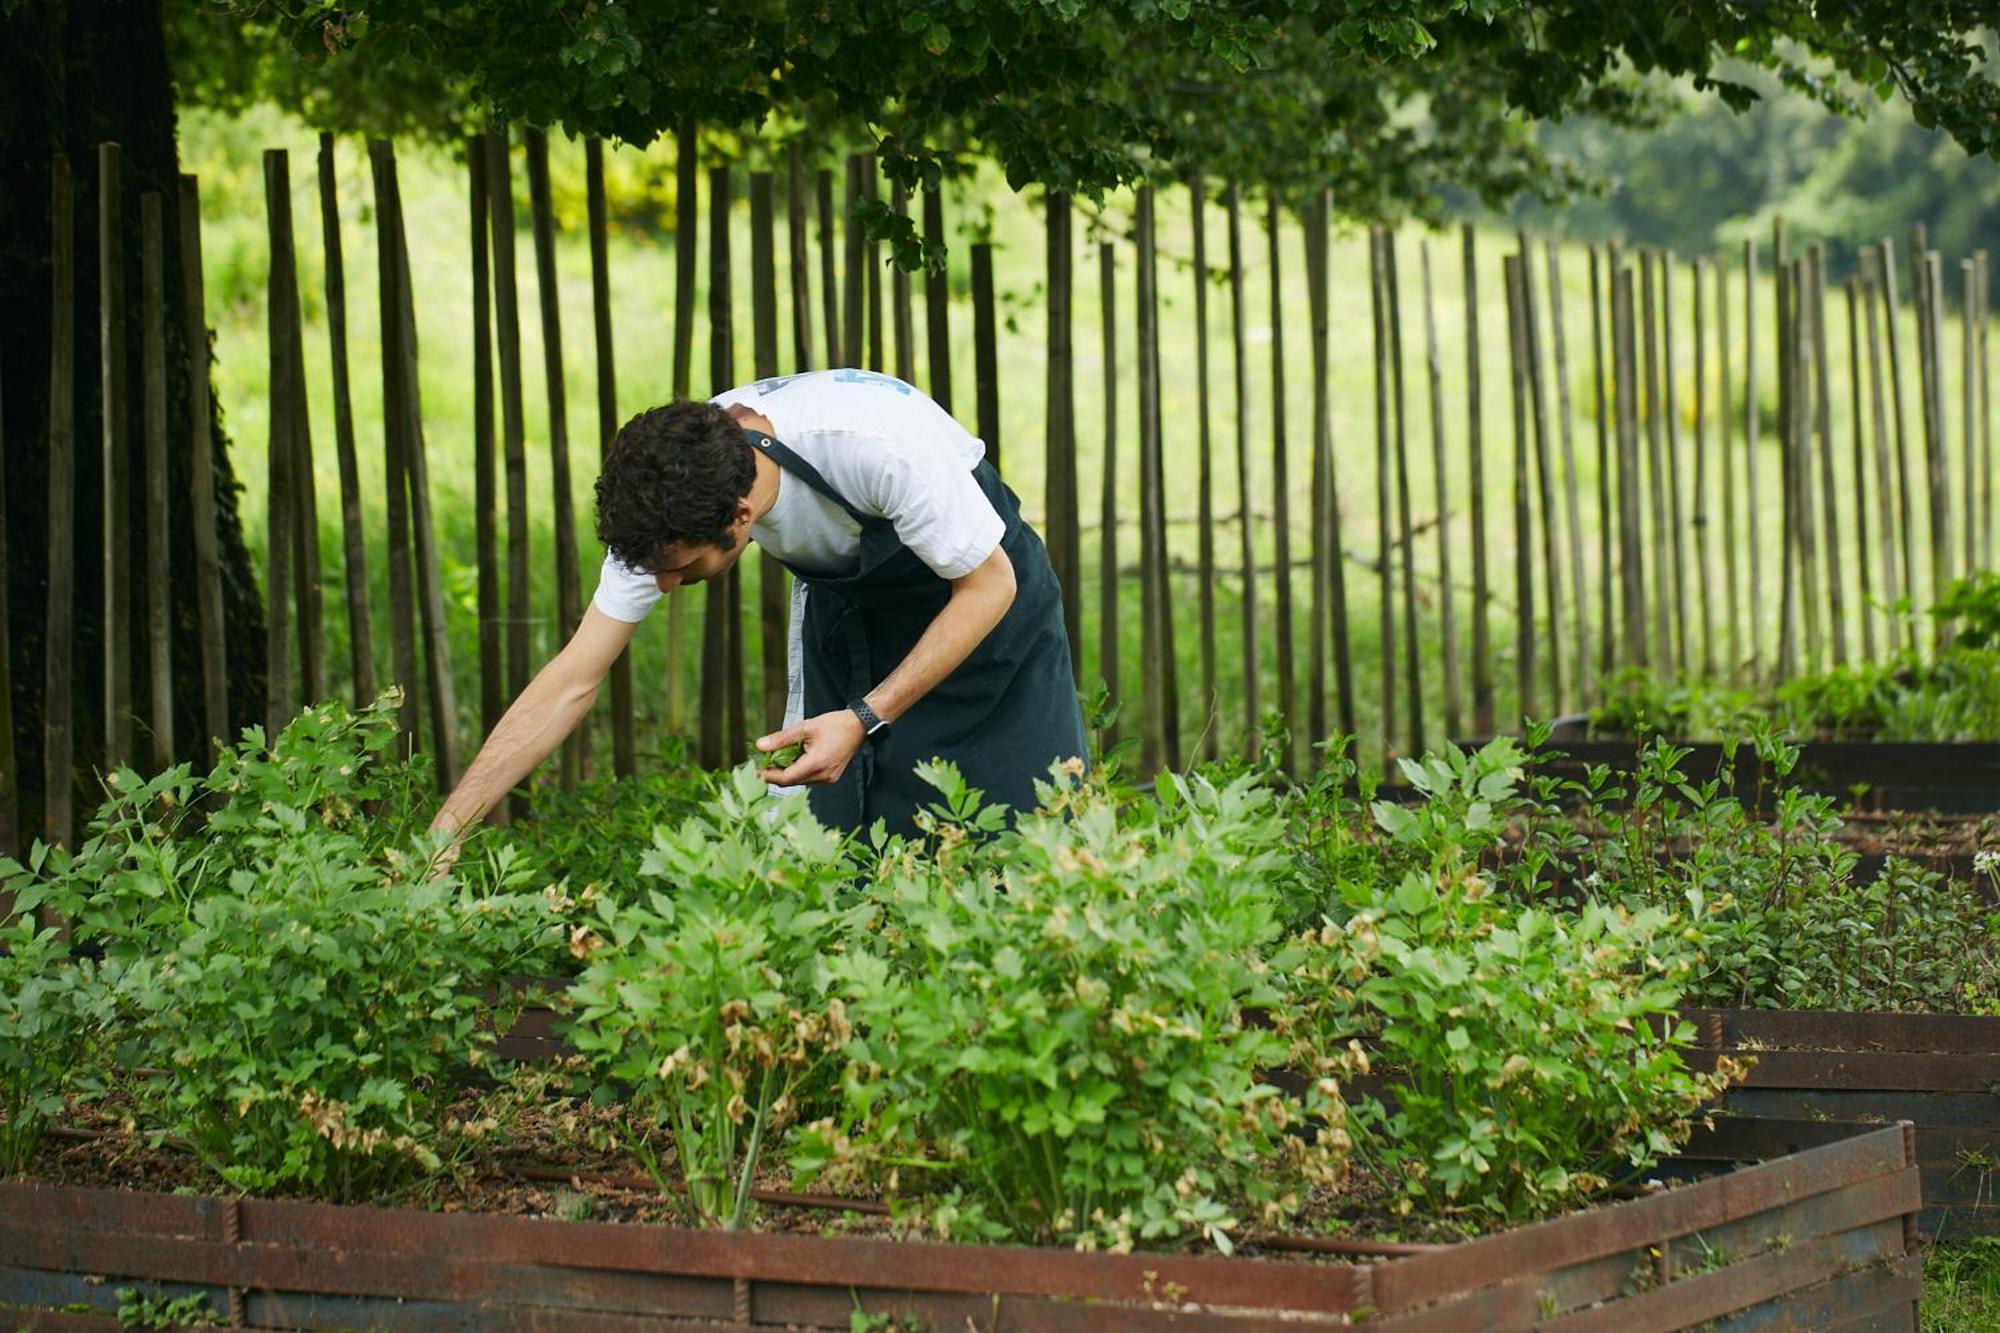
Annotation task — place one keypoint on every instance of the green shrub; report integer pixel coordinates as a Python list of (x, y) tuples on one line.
[(706, 999), (1052, 1034), (1781, 918), (1532, 1057), (46, 1021), (309, 986), (1531, 1052)]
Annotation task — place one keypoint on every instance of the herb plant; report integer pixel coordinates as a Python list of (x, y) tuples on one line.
[(1052, 1019), (310, 988), (46, 1024), (707, 1001)]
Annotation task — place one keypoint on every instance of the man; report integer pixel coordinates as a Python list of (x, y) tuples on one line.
[(926, 620)]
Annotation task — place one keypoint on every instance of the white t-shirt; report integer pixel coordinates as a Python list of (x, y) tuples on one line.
[(888, 450)]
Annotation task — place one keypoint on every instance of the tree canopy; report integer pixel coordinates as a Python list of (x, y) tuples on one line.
[(1389, 100)]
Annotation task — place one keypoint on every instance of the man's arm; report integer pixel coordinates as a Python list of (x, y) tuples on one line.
[(555, 701), (978, 601)]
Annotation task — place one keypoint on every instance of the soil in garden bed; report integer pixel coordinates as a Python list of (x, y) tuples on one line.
[(554, 1160), (1944, 843)]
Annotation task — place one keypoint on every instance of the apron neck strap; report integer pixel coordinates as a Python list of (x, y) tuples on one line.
[(798, 467)]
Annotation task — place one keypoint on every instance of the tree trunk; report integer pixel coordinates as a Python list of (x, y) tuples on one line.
[(73, 75)]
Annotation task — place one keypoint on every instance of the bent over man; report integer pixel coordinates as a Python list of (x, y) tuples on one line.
[(926, 620)]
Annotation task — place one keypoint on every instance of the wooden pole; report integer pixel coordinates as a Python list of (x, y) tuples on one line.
[(1752, 494), (900, 307), (513, 428), (1726, 465), (569, 594), (1933, 309), (1805, 317), (1482, 637), (402, 605), (773, 593), (853, 320), (1631, 543), (485, 474), (986, 351), (114, 459), (1060, 498), (430, 571), (1205, 487), (1656, 471), (1109, 507), (1836, 607), (1413, 680), (309, 593), (1983, 286), (1531, 333), (201, 469), (1607, 644), (687, 218), (1246, 527), (159, 643), (1154, 752), (1885, 509), (1857, 424), (353, 523), (1905, 506), (829, 277), (1454, 702), (59, 656), (280, 702), (1704, 571), (1787, 337), (687, 221), (799, 241), (1572, 505), (1281, 517), (937, 310), (1385, 523), (1322, 554), (1968, 410), (1670, 408), (716, 608), (1524, 571), (872, 256), (11, 842), (624, 726)]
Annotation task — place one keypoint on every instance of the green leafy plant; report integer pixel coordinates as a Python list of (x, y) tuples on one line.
[(1531, 1057), (136, 1309), (310, 987), (1777, 909), (1051, 1022), (1530, 1053), (709, 1005), (46, 1025)]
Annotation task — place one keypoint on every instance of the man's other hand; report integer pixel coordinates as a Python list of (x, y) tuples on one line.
[(831, 740)]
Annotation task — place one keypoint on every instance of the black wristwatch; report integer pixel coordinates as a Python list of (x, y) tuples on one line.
[(872, 725)]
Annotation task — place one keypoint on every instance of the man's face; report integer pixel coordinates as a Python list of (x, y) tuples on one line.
[(696, 562)]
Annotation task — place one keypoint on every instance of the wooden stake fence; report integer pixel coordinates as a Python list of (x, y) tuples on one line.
[(1664, 498)]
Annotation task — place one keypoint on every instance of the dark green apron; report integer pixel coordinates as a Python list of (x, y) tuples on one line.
[(1003, 716)]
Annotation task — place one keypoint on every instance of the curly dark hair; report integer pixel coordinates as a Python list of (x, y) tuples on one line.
[(673, 476)]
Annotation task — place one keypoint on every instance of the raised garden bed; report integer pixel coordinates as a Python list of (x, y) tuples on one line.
[(1940, 1072), (1821, 1238), (1957, 777)]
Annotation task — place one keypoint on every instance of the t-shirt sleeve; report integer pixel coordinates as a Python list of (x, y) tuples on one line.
[(938, 509), (624, 593)]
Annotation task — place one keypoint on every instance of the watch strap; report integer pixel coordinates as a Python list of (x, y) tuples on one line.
[(872, 723)]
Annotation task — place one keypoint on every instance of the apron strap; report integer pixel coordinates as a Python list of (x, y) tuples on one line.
[(804, 471)]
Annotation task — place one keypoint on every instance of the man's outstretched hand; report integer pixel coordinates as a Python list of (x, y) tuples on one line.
[(830, 742)]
